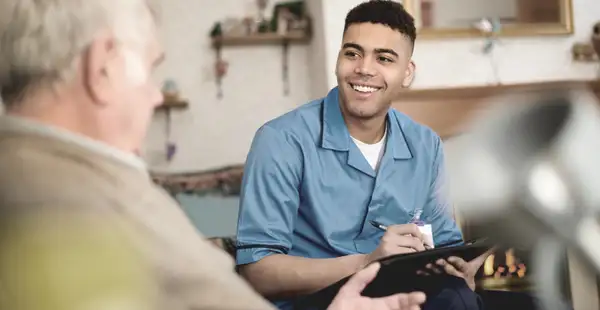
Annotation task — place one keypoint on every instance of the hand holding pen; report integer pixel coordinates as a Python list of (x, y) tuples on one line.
[(398, 239), (450, 243), (416, 219)]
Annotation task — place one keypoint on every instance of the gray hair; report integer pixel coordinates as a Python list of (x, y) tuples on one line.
[(41, 40)]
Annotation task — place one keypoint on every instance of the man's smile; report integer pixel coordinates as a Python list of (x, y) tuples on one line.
[(364, 90)]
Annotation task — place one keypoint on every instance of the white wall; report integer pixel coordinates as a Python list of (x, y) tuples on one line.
[(212, 133), (317, 53)]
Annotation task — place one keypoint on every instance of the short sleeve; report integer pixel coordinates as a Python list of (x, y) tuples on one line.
[(269, 197)]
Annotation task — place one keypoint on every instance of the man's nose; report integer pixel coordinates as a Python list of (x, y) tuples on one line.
[(366, 67)]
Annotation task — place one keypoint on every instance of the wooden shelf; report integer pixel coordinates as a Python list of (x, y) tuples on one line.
[(177, 104), (260, 39)]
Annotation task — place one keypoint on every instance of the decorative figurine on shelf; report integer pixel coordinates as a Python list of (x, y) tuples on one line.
[(291, 18), (284, 20), (583, 52), (262, 22), (249, 25), (170, 90)]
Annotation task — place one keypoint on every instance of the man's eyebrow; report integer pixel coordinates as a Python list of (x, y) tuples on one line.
[(377, 50), (386, 51), (354, 46)]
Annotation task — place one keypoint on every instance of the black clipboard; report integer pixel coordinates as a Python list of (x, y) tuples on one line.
[(398, 274)]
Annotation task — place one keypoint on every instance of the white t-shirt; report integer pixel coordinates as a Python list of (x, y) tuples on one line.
[(372, 152)]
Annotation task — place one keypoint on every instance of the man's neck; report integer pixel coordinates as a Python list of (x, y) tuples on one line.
[(50, 115), (59, 113), (369, 131)]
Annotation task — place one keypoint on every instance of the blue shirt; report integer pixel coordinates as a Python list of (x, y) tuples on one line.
[(308, 190)]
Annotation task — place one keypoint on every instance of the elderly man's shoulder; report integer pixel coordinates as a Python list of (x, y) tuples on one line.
[(35, 175)]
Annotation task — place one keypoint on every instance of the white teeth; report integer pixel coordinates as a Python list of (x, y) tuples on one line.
[(364, 89)]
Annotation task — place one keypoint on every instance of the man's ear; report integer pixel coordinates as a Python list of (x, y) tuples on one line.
[(409, 75), (96, 64)]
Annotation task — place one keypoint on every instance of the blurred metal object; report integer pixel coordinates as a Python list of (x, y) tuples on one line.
[(529, 176)]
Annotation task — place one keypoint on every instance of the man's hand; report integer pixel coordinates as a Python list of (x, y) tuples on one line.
[(458, 267), (398, 239), (349, 297)]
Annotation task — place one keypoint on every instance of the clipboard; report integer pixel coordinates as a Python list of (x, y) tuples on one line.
[(398, 274), (468, 251)]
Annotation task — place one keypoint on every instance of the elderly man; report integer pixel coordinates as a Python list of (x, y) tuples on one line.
[(75, 82)]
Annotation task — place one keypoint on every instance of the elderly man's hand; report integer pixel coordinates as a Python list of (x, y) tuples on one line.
[(458, 267), (349, 297)]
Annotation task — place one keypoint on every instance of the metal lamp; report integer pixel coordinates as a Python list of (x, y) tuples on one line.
[(529, 176)]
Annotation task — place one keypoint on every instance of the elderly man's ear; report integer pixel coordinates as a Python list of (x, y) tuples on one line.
[(99, 64)]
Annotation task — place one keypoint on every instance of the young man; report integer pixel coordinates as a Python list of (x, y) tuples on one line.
[(317, 176), (76, 81)]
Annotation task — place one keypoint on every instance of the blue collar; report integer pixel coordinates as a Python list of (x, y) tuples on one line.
[(336, 136)]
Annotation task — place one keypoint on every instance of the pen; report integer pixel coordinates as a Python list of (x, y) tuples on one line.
[(378, 225), (384, 228)]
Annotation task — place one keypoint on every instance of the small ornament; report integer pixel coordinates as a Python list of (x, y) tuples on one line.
[(170, 90), (171, 150), (583, 51), (221, 67)]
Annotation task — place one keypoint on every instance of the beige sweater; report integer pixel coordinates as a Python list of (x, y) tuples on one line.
[(45, 177)]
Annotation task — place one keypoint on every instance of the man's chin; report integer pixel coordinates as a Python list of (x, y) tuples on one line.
[(359, 113)]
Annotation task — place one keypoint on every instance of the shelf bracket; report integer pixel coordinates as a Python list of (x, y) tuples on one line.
[(285, 67), (219, 69)]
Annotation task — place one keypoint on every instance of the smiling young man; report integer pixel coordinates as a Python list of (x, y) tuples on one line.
[(317, 176)]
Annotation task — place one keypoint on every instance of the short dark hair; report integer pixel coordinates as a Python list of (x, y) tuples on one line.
[(384, 12)]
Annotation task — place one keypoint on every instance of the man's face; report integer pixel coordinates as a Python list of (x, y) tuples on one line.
[(373, 66), (125, 90)]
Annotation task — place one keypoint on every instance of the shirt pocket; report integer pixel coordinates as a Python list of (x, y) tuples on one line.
[(401, 203)]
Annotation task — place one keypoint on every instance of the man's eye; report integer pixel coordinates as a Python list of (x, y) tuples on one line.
[(385, 59), (351, 54)]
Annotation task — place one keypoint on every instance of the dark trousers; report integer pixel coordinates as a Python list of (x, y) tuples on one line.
[(455, 295)]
